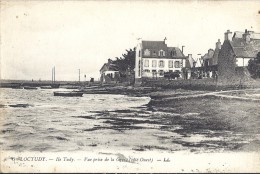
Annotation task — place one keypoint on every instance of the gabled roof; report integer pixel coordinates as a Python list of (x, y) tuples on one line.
[(109, 67), (243, 49), (155, 46), (253, 35), (198, 62), (177, 50), (189, 62)]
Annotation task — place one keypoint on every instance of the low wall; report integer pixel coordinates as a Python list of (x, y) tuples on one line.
[(201, 84)]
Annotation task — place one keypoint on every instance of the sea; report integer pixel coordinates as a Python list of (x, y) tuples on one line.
[(36, 120)]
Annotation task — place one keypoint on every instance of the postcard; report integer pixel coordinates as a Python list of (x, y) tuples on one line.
[(129, 86)]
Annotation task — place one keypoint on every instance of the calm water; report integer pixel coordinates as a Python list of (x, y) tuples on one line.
[(96, 122), (55, 123)]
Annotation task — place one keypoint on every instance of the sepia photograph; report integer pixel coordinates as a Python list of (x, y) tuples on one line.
[(113, 86)]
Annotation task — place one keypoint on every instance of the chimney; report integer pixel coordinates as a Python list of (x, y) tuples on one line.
[(218, 44), (165, 40), (109, 61), (139, 41), (246, 36), (182, 49), (228, 35)]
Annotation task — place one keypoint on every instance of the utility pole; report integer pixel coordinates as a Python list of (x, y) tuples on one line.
[(79, 75), (54, 74)]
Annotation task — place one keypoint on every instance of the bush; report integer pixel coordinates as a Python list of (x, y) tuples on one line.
[(254, 66), (172, 75)]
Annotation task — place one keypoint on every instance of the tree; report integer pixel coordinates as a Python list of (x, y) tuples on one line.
[(126, 62), (254, 66)]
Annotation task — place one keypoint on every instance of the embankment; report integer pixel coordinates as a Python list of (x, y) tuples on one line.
[(201, 84)]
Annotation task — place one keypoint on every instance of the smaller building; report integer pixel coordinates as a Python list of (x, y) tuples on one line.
[(208, 58), (235, 53), (109, 72), (189, 66)]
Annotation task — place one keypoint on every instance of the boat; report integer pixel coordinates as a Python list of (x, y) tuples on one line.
[(46, 87), (55, 85), (29, 87), (68, 93)]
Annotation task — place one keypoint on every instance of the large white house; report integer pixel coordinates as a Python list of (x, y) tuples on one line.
[(154, 58)]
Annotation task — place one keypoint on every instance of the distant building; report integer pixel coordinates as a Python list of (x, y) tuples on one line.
[(109, 72), (236, 52), (208, 58), (190, 64), (154, 58), (216, 53)]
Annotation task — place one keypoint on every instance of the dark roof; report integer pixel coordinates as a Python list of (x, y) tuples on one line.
[(243, 49), (178, 52), (155, 46), (109, 67), (253, 35)]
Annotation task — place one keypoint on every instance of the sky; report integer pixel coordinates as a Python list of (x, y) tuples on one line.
[(73, 35)]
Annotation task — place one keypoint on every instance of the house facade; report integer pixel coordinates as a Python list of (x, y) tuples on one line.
[(235, 53), (109, 72), (154, 58)]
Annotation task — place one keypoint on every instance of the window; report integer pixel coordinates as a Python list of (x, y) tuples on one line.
[(146, 52), (161, 53), (177, 64), (161, 63), (154, 72), (154, 53), (146, 63), (147, 70), (154, 63), (139, 53), (173, 53), (161, 72), (170, 64)]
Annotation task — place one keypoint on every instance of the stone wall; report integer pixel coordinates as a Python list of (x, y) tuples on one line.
[(201, 84), (198, 84)]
